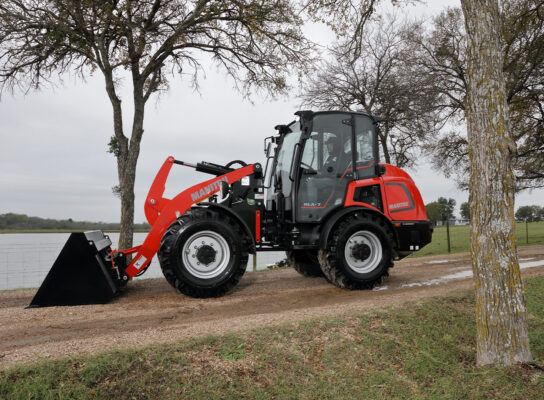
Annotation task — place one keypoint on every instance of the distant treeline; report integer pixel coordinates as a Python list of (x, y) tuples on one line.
[(12, 221)]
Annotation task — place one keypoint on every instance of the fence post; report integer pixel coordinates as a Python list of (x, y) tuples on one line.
[(448, 234), (527, 231)]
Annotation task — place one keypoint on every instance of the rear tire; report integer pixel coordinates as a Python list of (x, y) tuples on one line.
[(359, 253), (305, 262), (203, 253)]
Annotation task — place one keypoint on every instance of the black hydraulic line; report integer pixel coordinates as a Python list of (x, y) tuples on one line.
[(210, 168), (184, 163), (213, 169)]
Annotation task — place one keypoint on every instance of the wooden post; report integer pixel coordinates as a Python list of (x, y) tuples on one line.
[(448, 234), (527, 231), (254, 262)]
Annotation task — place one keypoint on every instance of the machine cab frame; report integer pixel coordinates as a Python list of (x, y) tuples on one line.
[(315, 160)]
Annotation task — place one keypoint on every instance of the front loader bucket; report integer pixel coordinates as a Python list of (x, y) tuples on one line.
[(82, 273)]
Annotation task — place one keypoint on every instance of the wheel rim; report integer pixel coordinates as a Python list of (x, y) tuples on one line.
[(206, 254), (363, 252)]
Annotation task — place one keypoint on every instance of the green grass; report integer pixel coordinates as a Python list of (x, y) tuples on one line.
[(460, 238), (420, 351)]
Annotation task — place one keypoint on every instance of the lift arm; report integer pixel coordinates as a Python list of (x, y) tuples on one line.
[(161, 212)]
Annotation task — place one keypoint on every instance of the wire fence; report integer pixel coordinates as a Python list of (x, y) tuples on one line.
[(25, 263), (456, 238)]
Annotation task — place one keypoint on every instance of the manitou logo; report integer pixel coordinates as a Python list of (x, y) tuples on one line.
[(207, 190), (398, 205)]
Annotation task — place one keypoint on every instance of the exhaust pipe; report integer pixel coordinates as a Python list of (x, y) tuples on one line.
[(84, 273)]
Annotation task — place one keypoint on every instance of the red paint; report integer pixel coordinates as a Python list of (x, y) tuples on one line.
[(257, 226), (350, 193), (395, 195), (132, 250), (392, 195), (161, 212)]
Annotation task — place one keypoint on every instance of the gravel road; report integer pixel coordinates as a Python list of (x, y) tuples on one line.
[(150, 311)]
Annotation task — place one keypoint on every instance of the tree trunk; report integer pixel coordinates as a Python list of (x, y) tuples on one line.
[(126, 192), (502, 334), (127, 154), (383, 134), (127, 176)]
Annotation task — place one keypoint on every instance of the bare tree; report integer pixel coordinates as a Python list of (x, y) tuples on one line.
[(256, 43), (348, 19), (501, 317), (443, 53), (382, 80)]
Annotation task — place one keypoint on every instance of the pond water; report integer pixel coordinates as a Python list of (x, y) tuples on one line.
[(25, 258)]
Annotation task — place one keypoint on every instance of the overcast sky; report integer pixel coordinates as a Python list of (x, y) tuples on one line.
[(53, 153)]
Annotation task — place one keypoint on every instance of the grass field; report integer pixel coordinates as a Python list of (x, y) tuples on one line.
[(422, 351), (460, 238)]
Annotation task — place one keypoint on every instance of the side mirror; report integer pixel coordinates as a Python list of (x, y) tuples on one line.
[(268, 141), (380, 169)]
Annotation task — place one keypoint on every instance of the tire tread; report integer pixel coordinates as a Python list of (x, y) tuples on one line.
[(167, 246), (301, 263), (330, 264)]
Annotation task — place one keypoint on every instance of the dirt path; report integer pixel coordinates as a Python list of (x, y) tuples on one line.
[(150, 311)]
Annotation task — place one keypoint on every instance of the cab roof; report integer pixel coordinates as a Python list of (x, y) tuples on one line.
[(308, 114)]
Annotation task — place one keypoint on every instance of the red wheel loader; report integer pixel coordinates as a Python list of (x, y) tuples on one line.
[(323, 197)]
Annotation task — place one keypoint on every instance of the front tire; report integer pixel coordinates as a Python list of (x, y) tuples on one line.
[(203, 254), (359, 253), (305, 262)]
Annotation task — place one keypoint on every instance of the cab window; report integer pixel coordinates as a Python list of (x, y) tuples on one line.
[(285, 158), (365, 146)]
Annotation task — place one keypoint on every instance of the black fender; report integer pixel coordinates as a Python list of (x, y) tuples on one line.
[(226, 210), (340, 213)]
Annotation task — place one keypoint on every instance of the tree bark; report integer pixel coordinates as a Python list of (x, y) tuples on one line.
[(126, 163), (383, 134), (126, 153), (127, 175), (502, 334), (385, 149)]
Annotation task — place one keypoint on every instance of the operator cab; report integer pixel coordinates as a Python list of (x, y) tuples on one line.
[(312, 161)]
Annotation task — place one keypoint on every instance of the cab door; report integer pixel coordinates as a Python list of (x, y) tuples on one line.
[(282, 185), (337, 142)]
